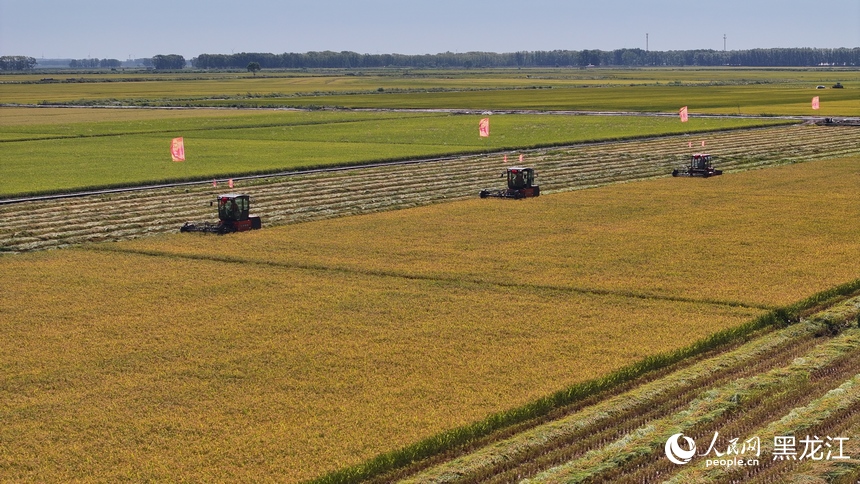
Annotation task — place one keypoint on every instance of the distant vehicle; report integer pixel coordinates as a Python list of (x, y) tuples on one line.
[(700, 165), (838, 85), (820, 87), (520, 184), (839, 122)]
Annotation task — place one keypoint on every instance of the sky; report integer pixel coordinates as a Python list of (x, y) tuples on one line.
[(123, 29)]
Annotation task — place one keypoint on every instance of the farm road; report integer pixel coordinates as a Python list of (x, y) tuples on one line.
[(301, 197)]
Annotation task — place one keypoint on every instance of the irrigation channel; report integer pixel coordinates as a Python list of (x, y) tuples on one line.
[(287, 198)]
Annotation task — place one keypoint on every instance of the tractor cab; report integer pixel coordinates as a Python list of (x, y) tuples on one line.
[(233, 208), (520, 178), (700, 162), (520, 184)]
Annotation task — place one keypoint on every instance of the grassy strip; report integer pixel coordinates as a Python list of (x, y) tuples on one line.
[(454, 438)]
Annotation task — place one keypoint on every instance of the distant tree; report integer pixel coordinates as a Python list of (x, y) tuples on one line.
[(84, 63), (16, 63), (172, 61), (253, 67), (110, 63)]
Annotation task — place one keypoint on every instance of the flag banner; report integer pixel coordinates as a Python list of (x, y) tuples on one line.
[(506, 158), (215, 183), (703, 142), (230, 183), (690, 144), (521, 158), (484, 127), (177, 149), (815, 103), (683, 114)]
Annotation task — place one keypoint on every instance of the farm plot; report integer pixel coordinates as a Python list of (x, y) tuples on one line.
[(753, 100), (303, 197), (137, 367), (801, 382), (290, 352)]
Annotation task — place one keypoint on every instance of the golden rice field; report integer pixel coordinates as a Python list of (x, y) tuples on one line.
[(282, 354)]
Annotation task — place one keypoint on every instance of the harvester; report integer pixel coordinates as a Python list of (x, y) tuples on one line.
[(700, 165), (520, 184), (233, 216)]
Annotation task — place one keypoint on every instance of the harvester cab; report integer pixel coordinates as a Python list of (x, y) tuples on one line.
[(233, 216), (700, 165), (520, 184)]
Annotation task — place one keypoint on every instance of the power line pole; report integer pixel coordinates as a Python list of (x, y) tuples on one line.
[(646, 42), (724, 42)]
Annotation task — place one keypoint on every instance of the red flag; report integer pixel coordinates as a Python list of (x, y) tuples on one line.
[(683, 114), (815, 103), (484, 127), (521, 157), (690, 144), (215, 183), (506, 158), (230, 183), (177, 149)]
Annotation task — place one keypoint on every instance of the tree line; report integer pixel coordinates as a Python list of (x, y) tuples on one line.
[(16, 63), (94, 63), (773, 57)]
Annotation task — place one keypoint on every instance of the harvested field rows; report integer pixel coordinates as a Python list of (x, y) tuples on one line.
[(51, 224), (799, 381)]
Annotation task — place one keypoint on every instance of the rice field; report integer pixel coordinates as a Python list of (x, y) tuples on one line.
[(293, 351), (309, 349), (728, 89)]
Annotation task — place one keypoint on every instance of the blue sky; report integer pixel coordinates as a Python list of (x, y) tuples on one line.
[(120, 29)]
